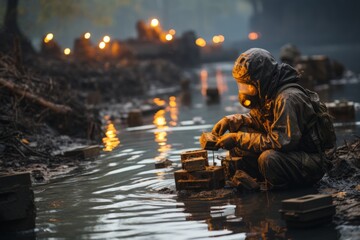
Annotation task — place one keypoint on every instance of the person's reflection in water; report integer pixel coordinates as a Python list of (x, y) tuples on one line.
[(255, 214)]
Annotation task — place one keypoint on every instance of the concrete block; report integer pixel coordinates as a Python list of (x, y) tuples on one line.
[(308, 210), (17, 209)]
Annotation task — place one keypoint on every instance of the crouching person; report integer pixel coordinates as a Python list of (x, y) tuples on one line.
[(281, 139)]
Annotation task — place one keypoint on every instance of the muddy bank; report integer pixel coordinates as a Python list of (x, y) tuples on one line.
[(343, 183), (49, 105)]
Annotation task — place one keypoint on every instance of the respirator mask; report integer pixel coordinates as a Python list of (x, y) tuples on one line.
[(248, 95)]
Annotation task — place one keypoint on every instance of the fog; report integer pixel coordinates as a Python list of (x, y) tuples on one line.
[(118, 18), (321, 26)]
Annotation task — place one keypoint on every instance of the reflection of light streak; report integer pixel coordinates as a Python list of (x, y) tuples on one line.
[(172, 101), (111, 140), (174, 112), (161, 134), (204, 79), (160, 137), (159, 119), (159, 102), (221, 82)]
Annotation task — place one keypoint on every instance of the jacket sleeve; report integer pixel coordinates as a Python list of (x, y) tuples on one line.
[(239, 122), (283, 134)]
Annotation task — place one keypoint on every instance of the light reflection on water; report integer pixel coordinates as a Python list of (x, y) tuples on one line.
[(111, 140), (120, 198)]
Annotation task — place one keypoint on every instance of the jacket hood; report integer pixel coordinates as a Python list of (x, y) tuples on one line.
[(258, 67)]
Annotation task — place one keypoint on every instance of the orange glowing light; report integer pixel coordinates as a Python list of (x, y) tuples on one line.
[(67, 51), (172, 101), (102, 45), (159, 102), (172, 31), (48, 37), (216, 39), (106, 39), (247, 103), (154, 22), (161, 134), (253, 36), (160, 137), (159, 119), (174, 112), (168, 37), (200, 42), (111, 140), (221, 38), (87, 35)]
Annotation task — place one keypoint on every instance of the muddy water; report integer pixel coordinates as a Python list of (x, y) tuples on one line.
[(119, 198)]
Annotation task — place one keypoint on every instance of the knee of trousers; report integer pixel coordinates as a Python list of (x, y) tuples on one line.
[(268, 159)]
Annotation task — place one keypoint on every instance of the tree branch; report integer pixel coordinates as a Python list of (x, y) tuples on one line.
[(58, 108)]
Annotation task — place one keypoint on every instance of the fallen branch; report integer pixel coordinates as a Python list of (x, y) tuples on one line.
[(58, 108)]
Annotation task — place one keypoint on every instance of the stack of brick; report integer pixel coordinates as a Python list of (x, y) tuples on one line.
[(196, 174)]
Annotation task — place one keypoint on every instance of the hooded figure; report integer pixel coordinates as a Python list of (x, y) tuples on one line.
[(272, 138)]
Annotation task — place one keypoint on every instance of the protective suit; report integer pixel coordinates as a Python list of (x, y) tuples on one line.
[(273, 137)]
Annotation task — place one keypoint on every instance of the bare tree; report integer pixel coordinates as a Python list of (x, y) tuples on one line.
[(11, 38)]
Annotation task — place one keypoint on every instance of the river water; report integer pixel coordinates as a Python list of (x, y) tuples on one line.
[(118, 196)]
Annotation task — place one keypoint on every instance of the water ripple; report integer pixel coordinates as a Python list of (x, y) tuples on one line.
[(120, 170)]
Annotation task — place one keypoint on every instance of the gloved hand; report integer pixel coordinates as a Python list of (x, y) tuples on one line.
[(221, 127), (227, 141)]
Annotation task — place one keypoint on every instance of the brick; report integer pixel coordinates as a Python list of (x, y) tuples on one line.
[(208, 141), (199, 184), (195, 164), (231, 165), (194, 154), (213, 178)]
